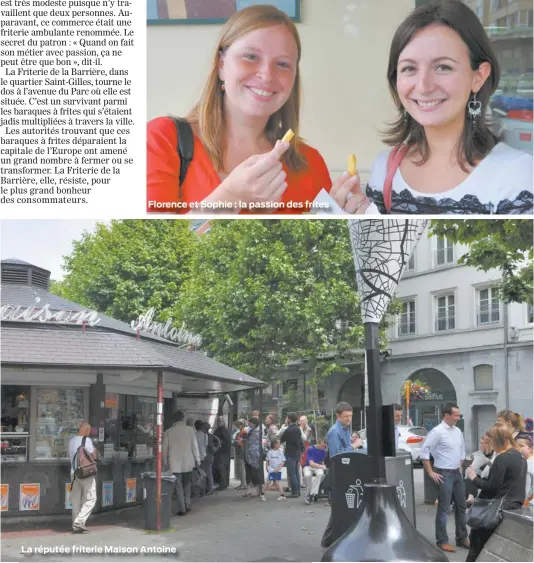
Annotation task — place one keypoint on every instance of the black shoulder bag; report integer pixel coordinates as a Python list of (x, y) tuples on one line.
[(485, 513), (185, 148)]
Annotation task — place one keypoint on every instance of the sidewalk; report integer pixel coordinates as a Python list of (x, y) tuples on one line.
[(221, 527)]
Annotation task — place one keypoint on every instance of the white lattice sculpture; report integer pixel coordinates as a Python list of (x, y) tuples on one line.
[(381, 249)]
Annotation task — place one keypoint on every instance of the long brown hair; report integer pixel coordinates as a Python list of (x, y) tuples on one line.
[(208, 113), (501, 437), (477, 140)]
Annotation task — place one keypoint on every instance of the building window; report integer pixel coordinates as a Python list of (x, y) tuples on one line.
[(524, 18), (406, 322), (444, 252), (290, 385), (445, 309), (483, 378), (136, 425), (15, 422), (488, 310), (530, 314), (410, 267), (59, 414)]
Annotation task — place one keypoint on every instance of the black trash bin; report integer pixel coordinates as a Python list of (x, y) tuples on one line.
[(350, 471), (168, 481)]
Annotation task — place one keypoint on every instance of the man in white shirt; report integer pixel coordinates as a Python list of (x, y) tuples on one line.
[(83, 491), (446, 444)]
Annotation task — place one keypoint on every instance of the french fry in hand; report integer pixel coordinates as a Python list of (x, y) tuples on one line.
[(352, 164), (288, 136)]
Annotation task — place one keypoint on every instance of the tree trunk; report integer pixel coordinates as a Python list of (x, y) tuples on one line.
[(314, 391)]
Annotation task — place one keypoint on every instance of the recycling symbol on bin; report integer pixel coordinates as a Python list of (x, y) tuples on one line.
[(354, 494), (401, 494)]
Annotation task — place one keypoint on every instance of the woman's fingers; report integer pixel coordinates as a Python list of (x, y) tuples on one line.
[(358, 203), (277, 182), (270, 175), (268, 160), (343, 186)]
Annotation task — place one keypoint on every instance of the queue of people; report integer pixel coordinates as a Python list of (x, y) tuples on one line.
[(443, 156), (502, 468)]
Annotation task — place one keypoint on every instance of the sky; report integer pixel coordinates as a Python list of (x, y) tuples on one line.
[(41, 242)]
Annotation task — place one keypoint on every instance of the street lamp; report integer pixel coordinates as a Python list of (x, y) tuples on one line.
[(381, 531)]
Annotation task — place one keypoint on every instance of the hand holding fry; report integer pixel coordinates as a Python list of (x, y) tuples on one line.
[(260, 178), (347, 194)]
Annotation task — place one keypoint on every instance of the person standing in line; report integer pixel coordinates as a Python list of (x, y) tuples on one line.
[(339, 441), (314, 470), (202, 442), (446, 444), (306, 438), (512, 419), (180, 453), (222, 455), (507, 479), (524, 443), (211, 450), (253, 460), (275, 462), (83, 491), (292, 438), (480, 463), (239, 438)]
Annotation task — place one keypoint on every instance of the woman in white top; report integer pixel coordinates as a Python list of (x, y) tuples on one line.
[(442, 72)]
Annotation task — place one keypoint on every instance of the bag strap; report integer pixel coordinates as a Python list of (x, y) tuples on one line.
[(394, 160), (185, 148)]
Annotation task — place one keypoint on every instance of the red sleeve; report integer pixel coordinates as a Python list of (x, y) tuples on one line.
[(163, 163), (320, 169)]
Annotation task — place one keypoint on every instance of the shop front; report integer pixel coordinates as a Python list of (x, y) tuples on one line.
[(62, 365), (423, 395)]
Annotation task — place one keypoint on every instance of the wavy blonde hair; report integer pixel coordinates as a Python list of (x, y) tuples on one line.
[(208, 113)]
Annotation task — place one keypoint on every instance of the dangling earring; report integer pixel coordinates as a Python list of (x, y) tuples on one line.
[(223, 87), (474, 109), (406, 114)]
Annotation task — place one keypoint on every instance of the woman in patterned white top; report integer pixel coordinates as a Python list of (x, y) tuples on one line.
[(444, 158)]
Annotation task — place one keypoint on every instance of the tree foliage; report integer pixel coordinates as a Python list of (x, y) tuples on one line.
[(123, 268), (263, 292), (503, 244)]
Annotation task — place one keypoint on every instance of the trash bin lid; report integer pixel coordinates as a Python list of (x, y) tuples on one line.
[(164, 476)]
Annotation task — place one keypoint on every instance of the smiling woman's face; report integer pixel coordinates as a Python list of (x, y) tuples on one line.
[(435, 79), (259, 71)]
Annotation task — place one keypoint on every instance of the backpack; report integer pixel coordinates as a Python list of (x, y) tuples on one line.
[(185, 148), (84, 462)]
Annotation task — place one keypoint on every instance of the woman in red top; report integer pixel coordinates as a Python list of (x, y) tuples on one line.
[(252, 97)]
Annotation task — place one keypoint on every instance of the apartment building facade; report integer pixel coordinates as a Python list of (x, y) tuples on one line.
[(456, 336)]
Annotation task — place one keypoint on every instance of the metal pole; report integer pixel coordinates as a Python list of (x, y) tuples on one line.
[(374, 419), (261, 437), (159, 434)]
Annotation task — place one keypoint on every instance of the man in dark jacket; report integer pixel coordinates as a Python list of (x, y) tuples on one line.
[(292, 440), (221, 463)]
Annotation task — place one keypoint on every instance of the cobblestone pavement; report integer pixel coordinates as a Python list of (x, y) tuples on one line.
[(222, 527)]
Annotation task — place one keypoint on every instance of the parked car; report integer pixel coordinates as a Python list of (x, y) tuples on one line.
[(410, 440)]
